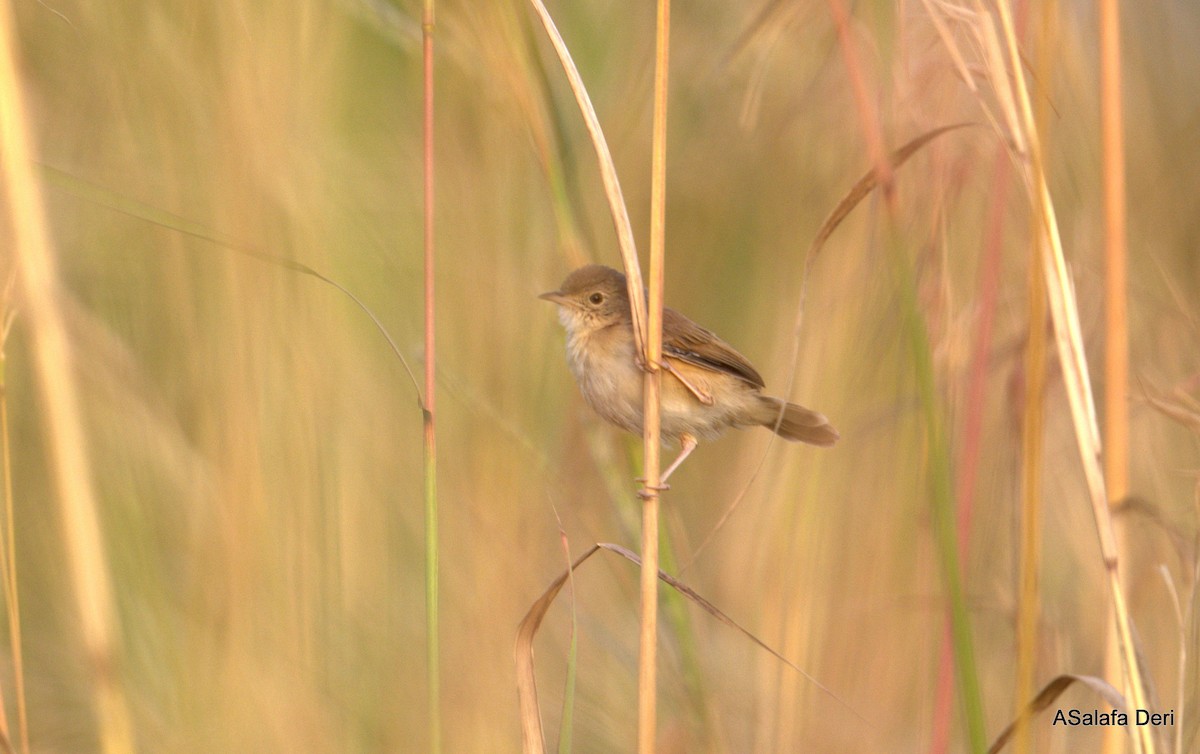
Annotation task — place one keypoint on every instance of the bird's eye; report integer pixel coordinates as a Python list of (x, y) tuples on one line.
[(596, 298)]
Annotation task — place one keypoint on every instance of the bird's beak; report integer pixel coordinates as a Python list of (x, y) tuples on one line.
[(555, 296)]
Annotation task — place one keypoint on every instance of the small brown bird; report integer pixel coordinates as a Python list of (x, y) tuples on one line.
[(708, 388)]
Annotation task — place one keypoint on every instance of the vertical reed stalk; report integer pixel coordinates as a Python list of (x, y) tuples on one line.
[(430, 426), (648, 650), (37, 274), (1116, 341), (1116, 331)]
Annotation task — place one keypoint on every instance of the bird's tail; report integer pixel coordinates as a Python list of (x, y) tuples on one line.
[(796, 423)]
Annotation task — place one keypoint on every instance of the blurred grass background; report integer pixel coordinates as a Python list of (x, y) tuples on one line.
[(257, 447)]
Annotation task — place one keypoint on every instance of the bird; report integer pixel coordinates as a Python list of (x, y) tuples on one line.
[(708, 386)]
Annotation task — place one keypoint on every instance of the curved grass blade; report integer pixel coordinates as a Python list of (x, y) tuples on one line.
[(1052, 691), (867, 184), (608, 175), (117, 202), (860, 190), (531, 719)]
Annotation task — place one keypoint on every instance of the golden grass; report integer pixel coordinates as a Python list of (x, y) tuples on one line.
[(652, 427), (36, 272), (254, 447), (8, 557)]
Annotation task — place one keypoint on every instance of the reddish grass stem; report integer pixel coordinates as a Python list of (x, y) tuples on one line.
[(862, 100), (430, 425)]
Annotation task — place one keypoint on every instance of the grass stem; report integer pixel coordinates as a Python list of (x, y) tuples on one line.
[(432, 648), (54, 366), (647, 654), (1116, 326), (8, 558), (1069, 341)]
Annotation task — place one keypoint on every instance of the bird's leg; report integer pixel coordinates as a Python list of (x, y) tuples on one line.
[(702, 396), (687, 443)]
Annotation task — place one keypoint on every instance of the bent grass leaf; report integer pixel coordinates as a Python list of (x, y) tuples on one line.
[(608, 175), (1052, 691), (130, 207), (857, 193), (868, 183), (531, 718)]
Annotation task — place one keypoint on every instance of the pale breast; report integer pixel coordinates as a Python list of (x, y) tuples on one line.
[(611, 383)]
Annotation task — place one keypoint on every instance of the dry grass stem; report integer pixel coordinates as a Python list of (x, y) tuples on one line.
[(608, 174), (8, 558), (651, 431), (1065, 316), (39, 287), (1116, 325)]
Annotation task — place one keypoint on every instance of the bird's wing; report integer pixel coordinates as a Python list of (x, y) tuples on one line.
[(683, 339)]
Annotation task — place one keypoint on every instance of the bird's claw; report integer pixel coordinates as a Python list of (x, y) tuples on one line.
[(646, 492)]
